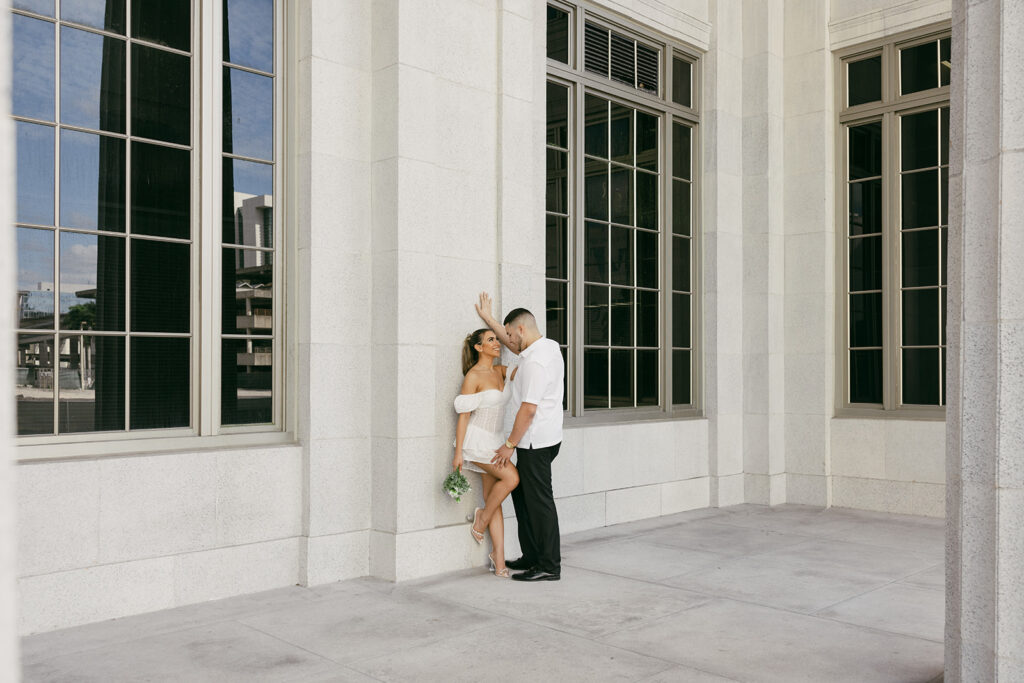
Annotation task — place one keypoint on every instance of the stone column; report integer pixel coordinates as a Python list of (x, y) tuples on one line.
[(985, 379), (763, 253), (723, 251), (9, 667)]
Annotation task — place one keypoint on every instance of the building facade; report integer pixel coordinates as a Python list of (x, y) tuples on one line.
[(248, 237)]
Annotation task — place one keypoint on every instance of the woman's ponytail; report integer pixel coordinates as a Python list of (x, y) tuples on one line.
[(469, 354)]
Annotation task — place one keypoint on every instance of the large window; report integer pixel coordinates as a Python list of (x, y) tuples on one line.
[(895, 138), (119, 244), (620, 215)]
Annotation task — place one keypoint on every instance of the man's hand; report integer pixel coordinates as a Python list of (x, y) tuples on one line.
[(483, 308), (502, 456)]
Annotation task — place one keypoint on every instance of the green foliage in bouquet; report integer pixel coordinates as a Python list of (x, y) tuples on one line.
[(455, 485)]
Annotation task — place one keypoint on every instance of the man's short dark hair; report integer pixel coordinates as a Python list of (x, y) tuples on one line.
[(515, 314)]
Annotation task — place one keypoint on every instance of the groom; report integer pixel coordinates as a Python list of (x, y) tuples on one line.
[(536, 436)]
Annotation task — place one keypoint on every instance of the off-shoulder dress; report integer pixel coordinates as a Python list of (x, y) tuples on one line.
[(486, 430)]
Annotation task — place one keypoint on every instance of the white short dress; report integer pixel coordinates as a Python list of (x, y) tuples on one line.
[(486, 430)]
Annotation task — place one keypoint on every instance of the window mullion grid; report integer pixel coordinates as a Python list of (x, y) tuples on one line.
[(665, 238), (576, 226), (56, 223), (891, 256), (208, 65)]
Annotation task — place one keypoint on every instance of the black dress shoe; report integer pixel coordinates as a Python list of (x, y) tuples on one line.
[(521, 563), (535, 575)]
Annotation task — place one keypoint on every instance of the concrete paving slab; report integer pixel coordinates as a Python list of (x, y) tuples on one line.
[(722, 539), (923, 535), (792, 519), (933, 578), (628, 530), (754, 643), (687, 674), (583, 603), (514, 652), (805, 577), (897, 608), (640, 559)]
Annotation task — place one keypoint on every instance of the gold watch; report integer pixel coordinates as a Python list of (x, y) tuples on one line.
[(509, 444)]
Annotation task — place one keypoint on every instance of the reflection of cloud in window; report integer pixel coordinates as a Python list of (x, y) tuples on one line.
[(78, 263), (35, 258), (251, 33)]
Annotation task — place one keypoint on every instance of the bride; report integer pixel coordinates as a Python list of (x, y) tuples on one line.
[(479, 433)]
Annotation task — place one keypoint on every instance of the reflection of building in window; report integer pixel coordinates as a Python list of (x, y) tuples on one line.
[(254, 227)]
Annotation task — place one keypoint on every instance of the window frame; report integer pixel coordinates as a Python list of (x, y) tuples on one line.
[(581, 82), (205, 430), (888, 111)]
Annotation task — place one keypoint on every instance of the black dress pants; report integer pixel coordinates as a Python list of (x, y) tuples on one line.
[(536, 515)]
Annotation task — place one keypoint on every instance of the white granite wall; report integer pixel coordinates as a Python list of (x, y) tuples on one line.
[(10, 669), (985, 440)]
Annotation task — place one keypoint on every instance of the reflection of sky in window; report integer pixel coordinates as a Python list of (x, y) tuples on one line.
[(32, 90), (93, 13), (252, 178), (80, 179), (35, 173), (81, 66), (77, 259), (37, 6), (250, 28), (35, 258), (252, 114)]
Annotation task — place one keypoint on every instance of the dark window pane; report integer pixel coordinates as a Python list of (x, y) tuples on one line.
[(247, 291), (595, 49), (558, 115), (92, 385), (647, 378), (921, 372), (622, 195), (161, 95), (866, 207), (249, 124), (920, 199), (681, 378), (44, 7), (164, 22), (91, 282), (945, 65), (92, 181), (161, 191), (35, 278), (622, 316), (558, 35), (646, 318), (595, 133), (646, 141), (865, 264), (248, 203), (646, 69), (621, 134), (161, 293), (921, 317), (623, 60), (865, 150), (864, 81), (596, 189), (944, 236), (159, 382), (944, 191), (32, 77), (33, 382), (555, 257), (866, 376), (945, 318), (103, 14), (647, 259), (622, 378), (621, 256), (595, 319), (595, 378), (646, 200), (921, 258), (865, 320), (681, 320), (595, 255), (681, 79), (919, 68), (919, 140), (247, 381), (681, 264), (557, 181), (556, 313), (565, 378), (249, 33), (944, 135), (681, 207), (942, 377), (681, 151), (34, 173)]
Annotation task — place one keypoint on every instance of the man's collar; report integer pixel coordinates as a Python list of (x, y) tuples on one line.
[(525, 352)]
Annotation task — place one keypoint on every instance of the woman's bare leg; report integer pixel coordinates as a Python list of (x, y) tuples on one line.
[(504, 480), (496, 527)]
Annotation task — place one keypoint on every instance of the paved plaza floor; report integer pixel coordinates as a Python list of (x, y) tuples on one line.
[(748, 593)]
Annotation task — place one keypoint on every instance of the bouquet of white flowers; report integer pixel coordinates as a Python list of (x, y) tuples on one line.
[(455, 485)]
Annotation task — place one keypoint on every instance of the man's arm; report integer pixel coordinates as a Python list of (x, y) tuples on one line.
[(524, 418), (483, 309)]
